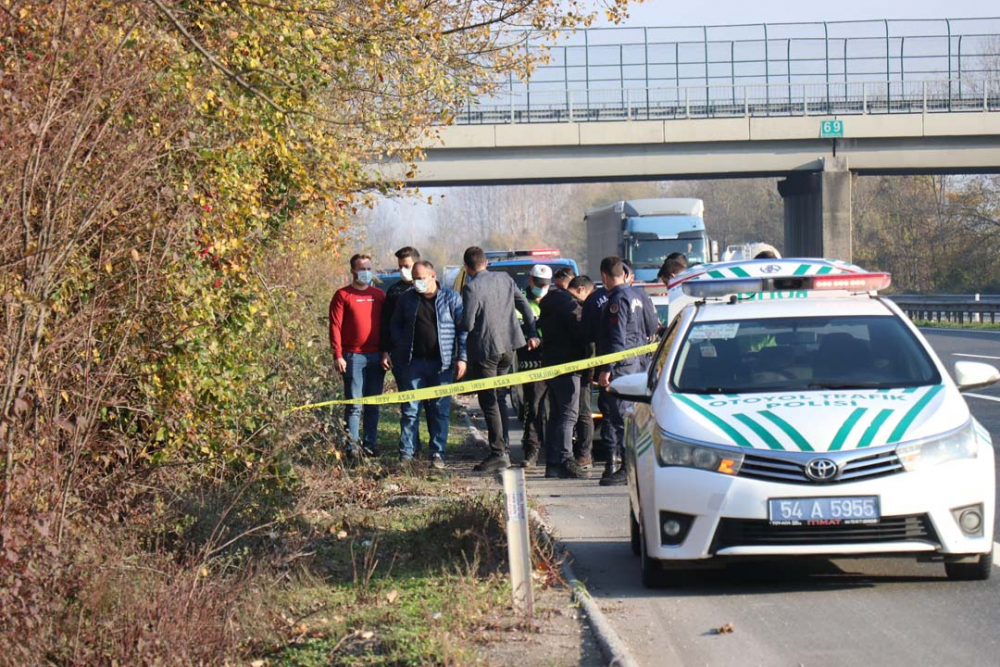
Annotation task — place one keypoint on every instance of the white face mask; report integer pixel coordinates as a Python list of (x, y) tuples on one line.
[(539, 292), (421, 285), (365, 276), (406, 273)]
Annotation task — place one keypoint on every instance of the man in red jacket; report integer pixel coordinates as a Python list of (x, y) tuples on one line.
[(355, 322)]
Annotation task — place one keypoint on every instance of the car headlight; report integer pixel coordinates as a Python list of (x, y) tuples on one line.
[(959, 444), (670, 452)]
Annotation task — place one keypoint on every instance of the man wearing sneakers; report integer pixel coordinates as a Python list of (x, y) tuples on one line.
[(489, 300), (355, 320), (428, 344), (564, 341)]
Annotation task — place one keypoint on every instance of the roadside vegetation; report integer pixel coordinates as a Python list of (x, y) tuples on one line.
[(180, 185), (980, 326)]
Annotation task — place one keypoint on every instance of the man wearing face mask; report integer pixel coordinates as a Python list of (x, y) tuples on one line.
[(533, 393), (432, 348), (406, 257), (355, 322)]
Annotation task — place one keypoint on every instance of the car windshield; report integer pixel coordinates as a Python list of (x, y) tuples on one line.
[(844, 352), (650, 253), (519, 272)]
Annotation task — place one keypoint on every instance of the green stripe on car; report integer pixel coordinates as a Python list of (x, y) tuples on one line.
[(869, 434), (739, 273), (789, 430), (761, 432), (824, 270), (726, 428), (845, 429), (904, 423), (717, 274)]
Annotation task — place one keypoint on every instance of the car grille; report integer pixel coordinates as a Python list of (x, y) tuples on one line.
[(776, 468), (756, 532)]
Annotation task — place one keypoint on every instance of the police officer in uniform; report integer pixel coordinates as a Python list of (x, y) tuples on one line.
[(533, 393), (620, 328)]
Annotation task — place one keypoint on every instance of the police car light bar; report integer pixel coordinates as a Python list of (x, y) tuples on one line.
[(854, 282), (514, 254)]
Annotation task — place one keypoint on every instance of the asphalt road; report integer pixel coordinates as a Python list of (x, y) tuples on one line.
[(818, 612)]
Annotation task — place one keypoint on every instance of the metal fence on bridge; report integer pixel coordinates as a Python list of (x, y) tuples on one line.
[(853, 67)]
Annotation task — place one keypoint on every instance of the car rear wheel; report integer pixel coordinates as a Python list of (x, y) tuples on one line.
[(977, 570), (633, 532)]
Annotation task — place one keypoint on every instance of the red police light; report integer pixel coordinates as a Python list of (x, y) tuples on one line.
[(854, 282)]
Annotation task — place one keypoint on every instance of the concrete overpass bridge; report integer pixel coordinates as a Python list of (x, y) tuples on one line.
[(808, 102)]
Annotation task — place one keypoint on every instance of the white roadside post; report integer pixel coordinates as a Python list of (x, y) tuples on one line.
[(518, 541)]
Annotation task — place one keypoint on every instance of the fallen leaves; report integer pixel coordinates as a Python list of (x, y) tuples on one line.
[(726, 629)]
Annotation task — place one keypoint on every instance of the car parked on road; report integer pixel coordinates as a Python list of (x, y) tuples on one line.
[(791, 411)]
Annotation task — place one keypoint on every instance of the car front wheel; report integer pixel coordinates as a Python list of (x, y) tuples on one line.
[(653, 575), (633, 525), (977, 570)]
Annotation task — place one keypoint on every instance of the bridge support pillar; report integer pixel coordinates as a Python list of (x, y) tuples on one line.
[(818, 212)]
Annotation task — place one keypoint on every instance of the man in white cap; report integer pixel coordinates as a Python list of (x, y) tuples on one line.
[(533, 393)]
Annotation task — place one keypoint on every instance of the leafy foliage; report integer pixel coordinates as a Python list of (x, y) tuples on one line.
[(177, 180)]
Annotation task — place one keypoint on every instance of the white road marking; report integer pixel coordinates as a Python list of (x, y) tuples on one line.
[(975, 356), (996, 554), (984, 397)]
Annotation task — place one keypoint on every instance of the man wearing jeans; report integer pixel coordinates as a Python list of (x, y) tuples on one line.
[(432, 350), (489, 300), (355, 321)]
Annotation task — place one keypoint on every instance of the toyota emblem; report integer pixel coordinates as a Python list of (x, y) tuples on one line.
[(770, 268), (821, 470)]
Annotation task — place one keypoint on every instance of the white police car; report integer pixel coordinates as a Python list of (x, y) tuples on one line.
[(790, 410)]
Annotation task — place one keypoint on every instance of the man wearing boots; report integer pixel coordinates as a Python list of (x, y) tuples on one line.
[(533, 393)]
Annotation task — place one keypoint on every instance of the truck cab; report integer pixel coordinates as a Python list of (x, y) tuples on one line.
[(646, 231)]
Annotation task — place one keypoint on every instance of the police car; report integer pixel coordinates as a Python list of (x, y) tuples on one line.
[(791, 411)]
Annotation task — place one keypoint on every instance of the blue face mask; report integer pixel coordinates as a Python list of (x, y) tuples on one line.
[(365, 276), (420, 284), (539, 292)]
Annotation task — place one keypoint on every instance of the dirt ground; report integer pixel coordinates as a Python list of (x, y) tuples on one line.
[(558, 635)]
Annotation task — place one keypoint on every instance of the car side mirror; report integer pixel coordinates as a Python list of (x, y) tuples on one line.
[(971, 375), (632, 387)]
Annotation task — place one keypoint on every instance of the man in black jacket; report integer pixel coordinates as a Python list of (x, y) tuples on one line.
[(406, 257), (489, 300), (565, 340)]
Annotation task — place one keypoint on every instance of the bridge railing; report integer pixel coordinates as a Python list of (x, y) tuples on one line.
[(957, 308), (755, 100)]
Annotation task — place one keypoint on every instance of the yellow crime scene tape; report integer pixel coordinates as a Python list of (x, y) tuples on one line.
[(486, 383)]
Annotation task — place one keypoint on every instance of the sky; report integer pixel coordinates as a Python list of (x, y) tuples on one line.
[(723, 12)]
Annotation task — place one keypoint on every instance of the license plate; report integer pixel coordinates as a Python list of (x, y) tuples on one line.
[(823, 511)]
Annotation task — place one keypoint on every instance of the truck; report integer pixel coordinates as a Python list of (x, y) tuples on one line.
[(645, 231)]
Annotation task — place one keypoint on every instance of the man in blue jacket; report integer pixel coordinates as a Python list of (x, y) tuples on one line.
[(428, 341)]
